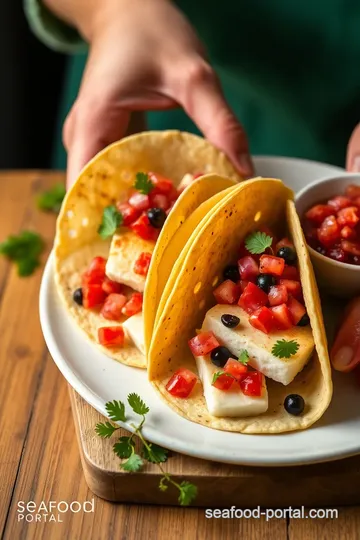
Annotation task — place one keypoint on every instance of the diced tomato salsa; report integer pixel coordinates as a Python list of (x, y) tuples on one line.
[(111, 336), (332, 227), (142, 264), (181, 383), (203, 343)]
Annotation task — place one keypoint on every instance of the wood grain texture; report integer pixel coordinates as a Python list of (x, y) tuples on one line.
[(39, 455)]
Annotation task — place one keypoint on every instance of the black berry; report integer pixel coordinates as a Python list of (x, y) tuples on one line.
[(294, 404), (232, 272), (78, 296), (220, 356), (230, 321), (157, 217), (265, 281), (304, 321), (288, 254)]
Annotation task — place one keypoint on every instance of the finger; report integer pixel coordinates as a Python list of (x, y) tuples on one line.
[(353, 151), (201, 96), (90, 128)]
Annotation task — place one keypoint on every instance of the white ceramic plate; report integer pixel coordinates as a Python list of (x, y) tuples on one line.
[(99, 379)]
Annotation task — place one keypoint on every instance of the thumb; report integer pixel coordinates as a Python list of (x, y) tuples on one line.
[(353, 151), (202, 98), (90, 127)]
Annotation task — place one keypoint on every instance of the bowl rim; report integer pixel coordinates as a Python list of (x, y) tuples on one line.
[(346, 176)]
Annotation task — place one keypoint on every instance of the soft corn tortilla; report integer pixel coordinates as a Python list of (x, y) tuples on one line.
[(104, 181), (255, 203)]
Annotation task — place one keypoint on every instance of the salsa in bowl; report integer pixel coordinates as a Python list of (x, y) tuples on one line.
[(330, 214)]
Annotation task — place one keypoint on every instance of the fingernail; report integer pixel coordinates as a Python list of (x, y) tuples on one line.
[(246, 165), (343, 357), (356, 164)]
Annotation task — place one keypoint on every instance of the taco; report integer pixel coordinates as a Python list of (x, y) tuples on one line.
[(246, 351), (114, 217)]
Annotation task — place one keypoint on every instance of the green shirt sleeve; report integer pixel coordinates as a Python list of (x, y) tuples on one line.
[(52, 31)]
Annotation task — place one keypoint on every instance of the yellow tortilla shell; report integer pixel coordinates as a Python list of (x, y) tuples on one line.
[(104, 181), (255, 203)]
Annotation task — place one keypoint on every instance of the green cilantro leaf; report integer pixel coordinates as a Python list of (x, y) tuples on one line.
[(111, 220), (258, 242), (244, 357), (188, 493), (50, 200), (133, 464), (285, 349), (25, 250), (116, 410), (218, 374), (157, 454), (143, 183), (105, 430), (124, 448), (137, 404)]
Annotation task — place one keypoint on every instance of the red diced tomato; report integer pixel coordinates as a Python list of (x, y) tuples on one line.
[(350, 247), (285, 242), (243, 284), (290, 272), (181, 383), (110, 286), (133, 306), (348, 233), (248, 268), (158, 200), (252, 384), (297, 310), (112, 307), (111, 336), (161, 184), (252, 298), (339, 202), (227, 292), (282, 316), (319, 212), (271, 265), (129, 213), (278, 294), (348, 216), (142, 264), (263, 320), (203, 343), (197, 175), (223, 382), (93, 295), (293, 287), (329, 231), (236, 369), (352, 191), (140, 201), (337, 254), (95, 274), (143, 228)]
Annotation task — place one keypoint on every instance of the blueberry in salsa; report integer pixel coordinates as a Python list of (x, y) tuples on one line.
[(288, 254), (232, 272), (78, 296), (230, 321), (157, 217), (332, 227), (294, 404), (221, 355), (265, 281)]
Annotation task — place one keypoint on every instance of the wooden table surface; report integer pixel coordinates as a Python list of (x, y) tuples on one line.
[(39, 457)]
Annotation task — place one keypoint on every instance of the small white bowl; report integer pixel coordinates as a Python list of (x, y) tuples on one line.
[(336, 278)]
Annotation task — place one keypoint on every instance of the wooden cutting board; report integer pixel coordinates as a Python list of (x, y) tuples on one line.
[(219, 485)]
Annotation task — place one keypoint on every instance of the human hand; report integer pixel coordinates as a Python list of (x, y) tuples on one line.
[(353, 151), (144, 55)]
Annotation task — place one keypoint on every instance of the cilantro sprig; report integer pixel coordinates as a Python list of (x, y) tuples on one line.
[(143, 183), (218, 374), (258, 242), (125, 449), (284, 348), (51, 199), (111, 220), (244, 357), (24, 250)]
